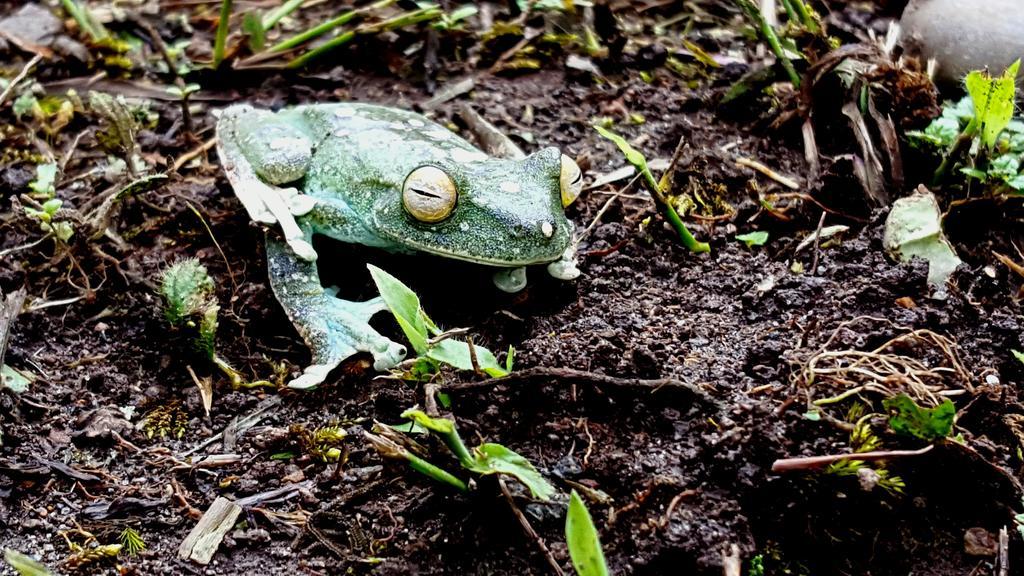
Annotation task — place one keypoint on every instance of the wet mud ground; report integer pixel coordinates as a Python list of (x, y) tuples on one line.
[(684, 456)]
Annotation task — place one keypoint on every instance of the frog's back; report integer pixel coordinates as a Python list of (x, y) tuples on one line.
[(363, 149)]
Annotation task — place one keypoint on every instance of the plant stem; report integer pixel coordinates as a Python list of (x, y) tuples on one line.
[(806, 16), (327, 26), (454, 443), (961, 145), (672, 216), (769, 35), (85, 20), (422, 466), (388, 448), (283, 10), (406, 19), (791, 12), (222, 33)]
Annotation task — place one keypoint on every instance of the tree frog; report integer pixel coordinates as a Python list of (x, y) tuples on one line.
[(390, 179)]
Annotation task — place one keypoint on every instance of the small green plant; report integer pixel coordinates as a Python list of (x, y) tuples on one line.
[(85, 20), (980, 134), (167, 420), (928, 424), (752, 239), (756, 566), (454, 20), (183, 92), (485, 459), (119, 137), (431, 344), (221, 39), (61, 231), (131, 541), (190, 302), (863, 439), (43, 187), (583, 540), (24, 565), (324, 443), (658, 189)]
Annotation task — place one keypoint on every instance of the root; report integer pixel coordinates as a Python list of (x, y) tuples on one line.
[(935, 371)]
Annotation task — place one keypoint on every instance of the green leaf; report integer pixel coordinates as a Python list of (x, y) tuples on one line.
[(1005, 166), (404, 305), (928, 424), (633, 156), (497, 459), (252, 25), (24, 104), (752, 239), (456, 353), (993, 102), (1016, 183), (1018, 355), (583, 541), (974, 173), (510, 358), (46, 176), (14, 380), (439, 425), (23, 564), (446, 430)]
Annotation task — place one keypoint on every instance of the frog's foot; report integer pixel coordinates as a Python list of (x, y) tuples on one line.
[(566, 267), (510, 280), (336, 329)]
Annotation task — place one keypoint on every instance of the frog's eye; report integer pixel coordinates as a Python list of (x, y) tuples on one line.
[(571, 180), (429, 194)]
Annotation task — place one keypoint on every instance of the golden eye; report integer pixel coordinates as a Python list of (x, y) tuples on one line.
[(429, 194), (571, 180)]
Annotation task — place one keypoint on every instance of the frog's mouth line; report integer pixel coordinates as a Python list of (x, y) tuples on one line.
[(481, 261)]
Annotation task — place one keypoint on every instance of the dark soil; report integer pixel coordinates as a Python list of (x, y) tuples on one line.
[(686, 464)]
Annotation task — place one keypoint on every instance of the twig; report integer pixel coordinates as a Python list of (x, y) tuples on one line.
[(604, 208), (817, 244), (227, 263), (809, 462), (1003, 564), (195, 152), (21, 76), (755, 165), (10, 307), (528, 529)]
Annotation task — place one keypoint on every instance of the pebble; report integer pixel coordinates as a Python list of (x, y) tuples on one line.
[(965, 35)]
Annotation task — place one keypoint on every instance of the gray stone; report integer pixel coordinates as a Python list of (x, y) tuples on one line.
[(965, 35)]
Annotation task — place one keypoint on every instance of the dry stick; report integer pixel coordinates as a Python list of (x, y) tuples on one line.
[(1004, 552), (809, 462), (195, 152), (759, 167), (227, 263), (21, 76), (608, 203), (528, 529), (817, 244)]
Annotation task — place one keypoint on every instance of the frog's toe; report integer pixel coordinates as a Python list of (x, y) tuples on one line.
[(387, 356), (311, 377)]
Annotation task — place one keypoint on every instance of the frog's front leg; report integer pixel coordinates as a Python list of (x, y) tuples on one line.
[(334, 329)]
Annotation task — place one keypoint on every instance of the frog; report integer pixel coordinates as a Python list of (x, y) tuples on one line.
[(390, 179)]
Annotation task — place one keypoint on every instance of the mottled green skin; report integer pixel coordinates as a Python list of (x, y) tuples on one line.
[(353, 159)]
